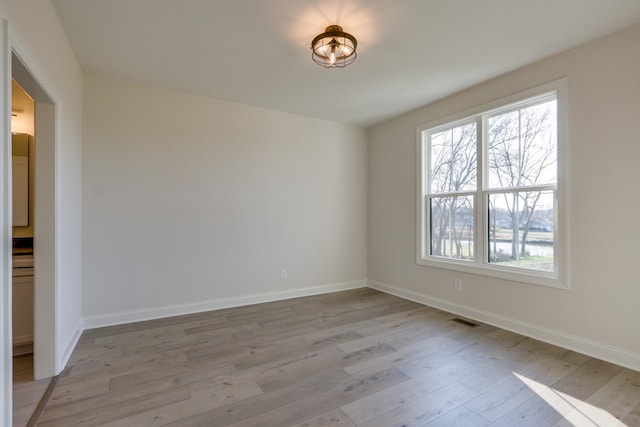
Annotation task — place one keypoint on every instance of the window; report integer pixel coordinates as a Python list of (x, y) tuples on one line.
[(490, 187)]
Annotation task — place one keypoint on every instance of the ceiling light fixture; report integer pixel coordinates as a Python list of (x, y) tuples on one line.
[(334, 48)]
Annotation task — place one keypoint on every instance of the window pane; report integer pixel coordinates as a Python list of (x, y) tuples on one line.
[(521, 229), (521, 146), (452, 225), (453, 159)]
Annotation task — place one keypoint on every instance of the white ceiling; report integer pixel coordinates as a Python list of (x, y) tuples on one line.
[(256, 52)]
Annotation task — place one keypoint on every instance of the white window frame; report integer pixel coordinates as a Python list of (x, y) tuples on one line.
[(480, 264)]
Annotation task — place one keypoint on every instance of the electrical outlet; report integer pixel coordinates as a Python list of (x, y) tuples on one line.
[(458, 285), (284, 274)]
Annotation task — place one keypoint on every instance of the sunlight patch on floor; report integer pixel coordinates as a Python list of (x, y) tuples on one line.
[(576, 411)]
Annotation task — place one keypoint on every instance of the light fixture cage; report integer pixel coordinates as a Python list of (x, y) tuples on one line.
[(334, 48)]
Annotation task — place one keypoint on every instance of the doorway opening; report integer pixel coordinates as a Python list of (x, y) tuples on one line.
[(33, 249)]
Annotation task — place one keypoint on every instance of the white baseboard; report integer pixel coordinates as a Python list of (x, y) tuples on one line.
[(91, 322), (22, 340), (21, 349), (582, 345), (65, 354), (22, 345)]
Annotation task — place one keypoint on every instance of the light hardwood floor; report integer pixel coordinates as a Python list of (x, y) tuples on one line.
[(355, 358), (27, 392)]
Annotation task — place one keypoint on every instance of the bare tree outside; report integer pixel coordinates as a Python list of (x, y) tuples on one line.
[(522, 163), (453, 165), (498, 168)]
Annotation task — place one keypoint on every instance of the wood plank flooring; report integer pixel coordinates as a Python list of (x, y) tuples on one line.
[(27, 393), (355, 358)]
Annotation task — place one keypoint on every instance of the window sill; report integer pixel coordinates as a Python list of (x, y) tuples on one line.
[(550, 280)]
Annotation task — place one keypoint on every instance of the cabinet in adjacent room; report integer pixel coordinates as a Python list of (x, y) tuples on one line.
[(22, 304)]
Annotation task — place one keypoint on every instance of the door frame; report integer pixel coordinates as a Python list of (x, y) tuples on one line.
[(46, 330), (44, 239), (6, 233)]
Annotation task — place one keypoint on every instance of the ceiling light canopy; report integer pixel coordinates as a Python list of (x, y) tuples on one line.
[(334, 48)]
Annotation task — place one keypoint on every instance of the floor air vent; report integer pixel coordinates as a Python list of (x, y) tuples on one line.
[(464, 322)]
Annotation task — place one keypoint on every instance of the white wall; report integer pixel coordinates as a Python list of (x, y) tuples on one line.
[(37, 37), (191, 203), (600, 313)]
